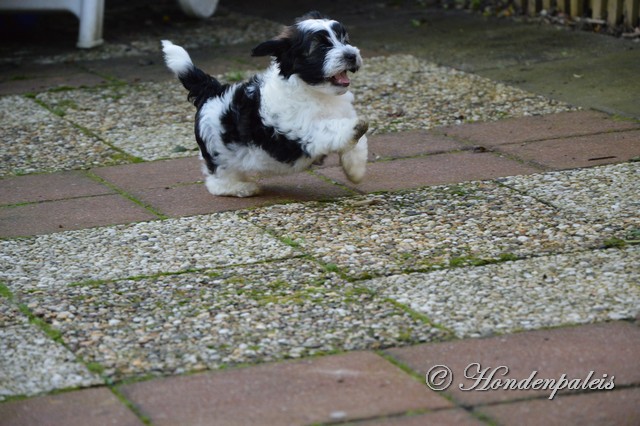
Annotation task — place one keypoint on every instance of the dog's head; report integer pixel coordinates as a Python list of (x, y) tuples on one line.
[(317, 50)]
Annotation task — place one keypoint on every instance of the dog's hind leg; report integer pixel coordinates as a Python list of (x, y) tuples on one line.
[(354, 161), (233, 184)]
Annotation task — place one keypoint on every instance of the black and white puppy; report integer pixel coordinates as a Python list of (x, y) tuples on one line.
[(283, 119)]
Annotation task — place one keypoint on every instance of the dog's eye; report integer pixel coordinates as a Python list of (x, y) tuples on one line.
[(317, 40)]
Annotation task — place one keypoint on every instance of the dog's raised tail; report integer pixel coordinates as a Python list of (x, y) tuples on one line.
[(200, 85), (176, 58)]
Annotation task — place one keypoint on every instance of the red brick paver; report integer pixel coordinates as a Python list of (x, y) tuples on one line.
[(154, 174), (47, 187), (582, 151), (187, 200), (455, 417), (95, 407), (542, 127), (617, 407), (610, 348), (432, 170), (338, 387), (64, 215)]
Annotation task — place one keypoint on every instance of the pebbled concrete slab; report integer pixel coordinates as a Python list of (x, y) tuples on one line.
[(54, 260), (526, 294), (32, 363), (35, 140), (606, 194), (416, 230), (216, 318)]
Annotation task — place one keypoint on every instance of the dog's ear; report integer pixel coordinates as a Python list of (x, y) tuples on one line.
[(275, 47), (314, 14)]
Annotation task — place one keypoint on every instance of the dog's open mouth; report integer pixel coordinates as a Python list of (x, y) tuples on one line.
[(341, 79)]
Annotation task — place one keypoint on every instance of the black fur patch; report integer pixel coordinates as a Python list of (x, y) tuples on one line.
[(206, 156), (201, 86), (242, 125)]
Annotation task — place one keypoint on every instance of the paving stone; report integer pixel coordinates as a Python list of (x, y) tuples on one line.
[(34, 139), (51, 186), (62, 215), (318, 390), (541, 127), (185, 200), (615, 407), (608, 348), (440, 417), (396, 232), (525, 294), (32, 363), (98, 406), (244, 314), (150, 121), (401, 145), (409, 144), (431, 170), (153, 174), (146, 248), (190, 200), (31, 83), (608, 194), (584, 151)]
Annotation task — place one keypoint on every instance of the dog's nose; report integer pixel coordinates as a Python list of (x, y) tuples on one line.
[(350, 57)]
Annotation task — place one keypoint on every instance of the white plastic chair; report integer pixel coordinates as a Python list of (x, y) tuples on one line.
[(91, 13), (198, 8)]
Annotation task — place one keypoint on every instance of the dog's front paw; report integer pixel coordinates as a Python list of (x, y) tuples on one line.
[(231, 188), (359, 130)]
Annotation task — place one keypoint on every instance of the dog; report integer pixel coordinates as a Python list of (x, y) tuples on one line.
[(284, 119)]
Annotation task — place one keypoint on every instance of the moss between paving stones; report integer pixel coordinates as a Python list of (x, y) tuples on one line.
[(224, 289), (526, 294), (262, 312)]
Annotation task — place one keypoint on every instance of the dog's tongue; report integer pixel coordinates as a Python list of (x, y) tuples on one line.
[(342, 79)]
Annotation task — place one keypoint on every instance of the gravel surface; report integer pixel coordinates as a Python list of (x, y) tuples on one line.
[(10, 314), (527, 294), (32, 363), (149, 121), (36, 140), (180, 295), (428, 228), (607, 194), (402, 92), (54, 260), (261, 312), (153, 120)]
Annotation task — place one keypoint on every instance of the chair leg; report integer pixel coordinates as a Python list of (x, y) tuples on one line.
[(91, 18)]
